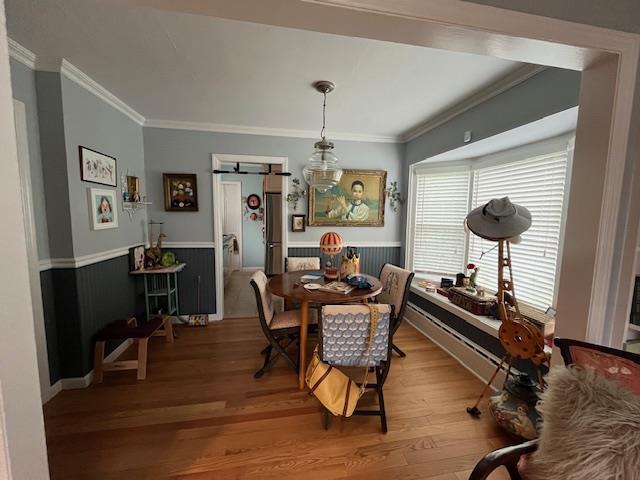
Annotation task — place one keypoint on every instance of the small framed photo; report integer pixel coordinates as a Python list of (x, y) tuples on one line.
[(298, 223), (97, 167), (136, 258), (103, 205), (180, 192), (133, 188)]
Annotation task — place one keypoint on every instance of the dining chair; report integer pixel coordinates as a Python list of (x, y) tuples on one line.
[(396, 283), (616, 365), (344, 335), (281, 329), (297, 264)]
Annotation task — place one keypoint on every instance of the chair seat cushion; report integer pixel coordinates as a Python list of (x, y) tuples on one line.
[(590, 430), (121, 329), (291, 318)]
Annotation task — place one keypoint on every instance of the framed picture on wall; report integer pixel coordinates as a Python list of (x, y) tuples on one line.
[(180, 192), (357, 201), (298, 223), (96, 167), (103, 208)]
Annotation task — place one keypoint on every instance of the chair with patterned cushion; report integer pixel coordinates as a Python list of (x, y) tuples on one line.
[(344, 336), (282, 329), (296, 264), (396, 283), (618, 366)]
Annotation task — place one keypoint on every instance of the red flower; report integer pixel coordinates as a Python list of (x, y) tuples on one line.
[(471, 266)]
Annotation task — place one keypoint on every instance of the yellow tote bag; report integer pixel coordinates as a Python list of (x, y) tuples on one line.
[(335, 390)]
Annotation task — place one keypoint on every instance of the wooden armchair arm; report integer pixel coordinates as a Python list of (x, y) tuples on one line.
[(507, 457)]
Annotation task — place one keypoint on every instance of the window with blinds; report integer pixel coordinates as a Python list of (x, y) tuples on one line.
[(537, 183), (442, 200)]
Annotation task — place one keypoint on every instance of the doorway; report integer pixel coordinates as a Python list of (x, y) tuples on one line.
[(248, 223)]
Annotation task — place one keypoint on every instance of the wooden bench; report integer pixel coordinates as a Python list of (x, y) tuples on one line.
[(139, 331)]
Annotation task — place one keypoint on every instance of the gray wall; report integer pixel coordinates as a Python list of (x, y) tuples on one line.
[(186, 151), (54, 163), (91, 122), (614, 14), (23, 83), (550, 91), (253, 244)]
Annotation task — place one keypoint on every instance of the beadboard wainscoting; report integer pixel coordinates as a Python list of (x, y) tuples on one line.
[(79, 301), (371, 258)]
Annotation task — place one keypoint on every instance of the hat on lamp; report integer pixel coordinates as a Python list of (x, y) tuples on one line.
[(499, 219)]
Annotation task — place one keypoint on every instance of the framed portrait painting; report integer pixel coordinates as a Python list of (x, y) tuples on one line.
[(357, 201), (97, 167), (103, 208), (180, 192)]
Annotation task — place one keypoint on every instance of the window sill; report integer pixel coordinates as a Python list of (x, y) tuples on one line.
[(486, 324)]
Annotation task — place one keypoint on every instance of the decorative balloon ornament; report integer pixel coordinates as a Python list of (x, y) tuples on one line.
[(331, 243), (501, 221)]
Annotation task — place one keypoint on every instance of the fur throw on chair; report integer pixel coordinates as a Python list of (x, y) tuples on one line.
[(591, 429)]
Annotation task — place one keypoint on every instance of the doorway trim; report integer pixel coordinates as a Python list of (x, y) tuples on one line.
[(216, 163), (47, 391)]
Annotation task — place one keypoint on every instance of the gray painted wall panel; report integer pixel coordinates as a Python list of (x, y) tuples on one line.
[(54, 163), (189, 151), (91, 122), (200, 263), (23, 84), (50, 327), (371, 258)]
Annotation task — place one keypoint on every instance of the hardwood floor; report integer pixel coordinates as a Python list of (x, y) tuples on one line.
[(201, 415)]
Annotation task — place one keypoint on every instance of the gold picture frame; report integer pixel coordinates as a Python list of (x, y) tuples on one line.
[(357, 201)]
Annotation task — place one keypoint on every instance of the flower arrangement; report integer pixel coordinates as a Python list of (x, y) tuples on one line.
[(394, 196), (297, 193), (474, 274)]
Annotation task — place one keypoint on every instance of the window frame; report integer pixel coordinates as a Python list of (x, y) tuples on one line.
[(555, 144)]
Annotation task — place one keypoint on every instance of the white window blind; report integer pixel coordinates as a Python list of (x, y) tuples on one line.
[(538, 184), (441, 205)]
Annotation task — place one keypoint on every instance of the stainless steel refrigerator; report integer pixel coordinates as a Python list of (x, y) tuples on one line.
[(273, 232)]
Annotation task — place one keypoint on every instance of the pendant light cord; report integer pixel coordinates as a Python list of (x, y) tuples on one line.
[(324, 108)]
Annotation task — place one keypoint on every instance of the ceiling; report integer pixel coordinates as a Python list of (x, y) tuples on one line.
[(187, 68)]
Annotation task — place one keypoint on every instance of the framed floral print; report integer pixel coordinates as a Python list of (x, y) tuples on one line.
[(180, 192)]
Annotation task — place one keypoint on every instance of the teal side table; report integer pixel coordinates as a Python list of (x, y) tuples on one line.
[(160, 283)]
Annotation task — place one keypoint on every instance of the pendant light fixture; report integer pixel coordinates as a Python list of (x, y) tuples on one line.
[(323, 172)]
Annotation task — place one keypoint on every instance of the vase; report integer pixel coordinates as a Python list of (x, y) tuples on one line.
[(514, 409)]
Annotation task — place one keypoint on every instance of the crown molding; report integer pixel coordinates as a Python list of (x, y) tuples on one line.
[(512, 79), (21, 54), (274, 132), (78, 76)]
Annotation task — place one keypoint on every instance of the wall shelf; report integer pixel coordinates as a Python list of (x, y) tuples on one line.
[(132, 207)]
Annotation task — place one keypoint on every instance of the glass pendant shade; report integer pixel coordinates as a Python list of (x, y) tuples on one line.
[(322, 171)]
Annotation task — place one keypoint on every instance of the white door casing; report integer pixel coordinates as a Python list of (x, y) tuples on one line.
[(32, 249)]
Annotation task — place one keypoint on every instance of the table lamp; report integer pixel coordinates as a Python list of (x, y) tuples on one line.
[(331, 244)]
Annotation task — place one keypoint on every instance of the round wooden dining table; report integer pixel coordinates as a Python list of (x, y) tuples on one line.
[(288, 286)]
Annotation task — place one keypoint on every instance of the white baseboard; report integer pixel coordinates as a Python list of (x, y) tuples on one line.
[(478, 361), (251, 269), (74, 383)]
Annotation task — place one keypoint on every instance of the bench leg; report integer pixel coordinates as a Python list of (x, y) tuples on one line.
[(142, 358), (98, 360), (168, 328)]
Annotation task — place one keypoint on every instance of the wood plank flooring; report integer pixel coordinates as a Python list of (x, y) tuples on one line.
[(201, 415)]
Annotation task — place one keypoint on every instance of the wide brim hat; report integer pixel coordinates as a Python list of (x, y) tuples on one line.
[(499, 219)]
